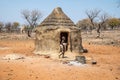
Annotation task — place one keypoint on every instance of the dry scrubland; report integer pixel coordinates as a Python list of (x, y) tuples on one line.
[(105, 51)]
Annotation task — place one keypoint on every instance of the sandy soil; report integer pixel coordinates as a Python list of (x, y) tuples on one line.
[(34, 67)]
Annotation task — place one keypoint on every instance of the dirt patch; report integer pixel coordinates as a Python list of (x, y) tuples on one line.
[(4, 48), (37, 67), (13, 56)]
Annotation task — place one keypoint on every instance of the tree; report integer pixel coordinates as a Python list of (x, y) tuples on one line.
[(84, 24), (92, 14), (32, 17), (113, 22), (103, 18), (1, 26), (8, 26), (15, 26)]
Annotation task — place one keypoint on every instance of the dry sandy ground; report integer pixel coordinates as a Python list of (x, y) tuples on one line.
[(35, 67)]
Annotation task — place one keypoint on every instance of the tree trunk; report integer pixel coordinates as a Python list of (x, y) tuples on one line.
[(29, 35), (0, 29), (98, 31), (112, 27)]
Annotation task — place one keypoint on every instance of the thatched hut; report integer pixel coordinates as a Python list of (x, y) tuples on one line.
[(49, 32)]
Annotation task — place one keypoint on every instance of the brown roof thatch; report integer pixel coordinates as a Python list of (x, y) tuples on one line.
[(57, 18)]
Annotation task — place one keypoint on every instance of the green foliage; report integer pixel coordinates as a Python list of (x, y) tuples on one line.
[(16, 24), (113, 22), (84, 24)]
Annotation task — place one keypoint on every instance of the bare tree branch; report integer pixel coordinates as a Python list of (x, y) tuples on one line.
[(26, 15), (32, 17), (103, 18), (92, 14)]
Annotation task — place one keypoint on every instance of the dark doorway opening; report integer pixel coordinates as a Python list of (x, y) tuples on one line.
[(65, 34)]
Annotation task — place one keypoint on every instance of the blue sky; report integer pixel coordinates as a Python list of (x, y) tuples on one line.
[(10, 10)]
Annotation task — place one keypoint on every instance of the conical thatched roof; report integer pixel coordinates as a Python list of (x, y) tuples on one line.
[(57, 18)]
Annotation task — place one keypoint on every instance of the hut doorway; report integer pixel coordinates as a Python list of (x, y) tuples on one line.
[(65, 34)]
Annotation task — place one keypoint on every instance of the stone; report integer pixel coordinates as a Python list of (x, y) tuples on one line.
[(94, 62), (81, 59)]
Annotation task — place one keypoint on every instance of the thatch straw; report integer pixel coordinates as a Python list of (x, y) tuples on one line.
[(57, 18)]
